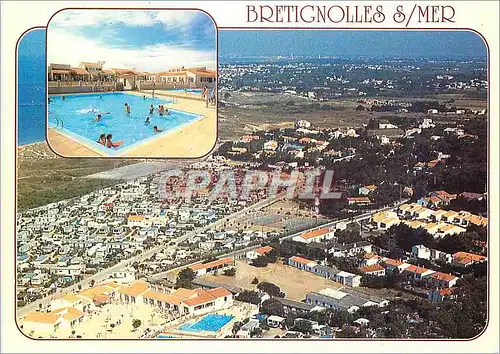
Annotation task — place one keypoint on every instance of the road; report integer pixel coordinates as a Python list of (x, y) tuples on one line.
[(106, 273)]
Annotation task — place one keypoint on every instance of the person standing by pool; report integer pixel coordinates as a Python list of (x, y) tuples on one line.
[(151, 109), (102, 139), (156, 130), (111, 144), (206, 97), (127, 108)]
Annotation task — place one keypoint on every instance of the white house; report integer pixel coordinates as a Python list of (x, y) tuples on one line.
[(420, 251), (261, 251)]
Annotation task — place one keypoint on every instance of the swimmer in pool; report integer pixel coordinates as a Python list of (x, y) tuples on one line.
[(98, 118), (147, 121), (110, 143), (156, 130), (102, 139), (63, 98), (144, 97), (151, 109), (127, 108), (49, 100)]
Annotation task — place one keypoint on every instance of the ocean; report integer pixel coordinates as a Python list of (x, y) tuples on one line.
[(31, 90)]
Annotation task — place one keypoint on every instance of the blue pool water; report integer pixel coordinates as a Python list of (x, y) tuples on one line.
[(78, 113), (164, 336), (211, 323), (31, 87), (198, 91)]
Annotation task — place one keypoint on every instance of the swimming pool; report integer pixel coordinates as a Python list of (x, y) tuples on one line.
[(210, 323), (164, 336), (197, 91), (78, 113)]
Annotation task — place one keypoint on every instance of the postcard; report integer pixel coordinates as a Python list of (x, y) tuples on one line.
[(209, 176)]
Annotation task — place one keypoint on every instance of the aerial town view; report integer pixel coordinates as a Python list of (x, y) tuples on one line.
[(143, 95), (347, 197)]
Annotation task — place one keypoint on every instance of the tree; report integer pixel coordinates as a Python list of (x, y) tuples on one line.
[(236, 327), (260, 262), (248, 296), (231, 272), (348, 236), (136, 323), (256, 332), (272, 307), (271, 289), (184, 278), (303, 326)]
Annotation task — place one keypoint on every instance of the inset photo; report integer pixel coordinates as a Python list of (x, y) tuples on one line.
[(131, 83)]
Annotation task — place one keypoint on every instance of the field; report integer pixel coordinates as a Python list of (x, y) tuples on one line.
[(43, 177), (247, 111), (276, 217), (295, 283)]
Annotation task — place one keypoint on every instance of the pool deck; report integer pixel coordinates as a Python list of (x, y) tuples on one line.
[(190, 141)]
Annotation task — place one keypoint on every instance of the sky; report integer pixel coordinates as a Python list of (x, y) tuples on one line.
[(146, 40), (352, 43)]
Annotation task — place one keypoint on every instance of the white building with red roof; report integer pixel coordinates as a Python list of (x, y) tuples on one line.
[(259, 252)]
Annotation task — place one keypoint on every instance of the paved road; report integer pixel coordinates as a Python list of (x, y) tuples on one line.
[(106, 273), (140, 169)]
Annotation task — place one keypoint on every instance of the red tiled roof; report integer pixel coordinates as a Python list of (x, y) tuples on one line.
[(443, 276), (264, 250), (314, 233), (466, 257), (393, 262), (212, 264), (301, 260), (414, 269), (371, 268), (219, 292)]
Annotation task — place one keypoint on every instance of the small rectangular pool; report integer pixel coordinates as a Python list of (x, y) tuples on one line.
[(209, 323), (75, 117)]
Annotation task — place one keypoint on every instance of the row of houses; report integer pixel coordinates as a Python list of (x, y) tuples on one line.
[(344, 300), (327, 272), (68, 310), (373, 264), (90, 71), (438, 223)]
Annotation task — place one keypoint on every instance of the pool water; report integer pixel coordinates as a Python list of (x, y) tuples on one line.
[(198, 91), (164, 336), (78, 113), (210, 323)]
